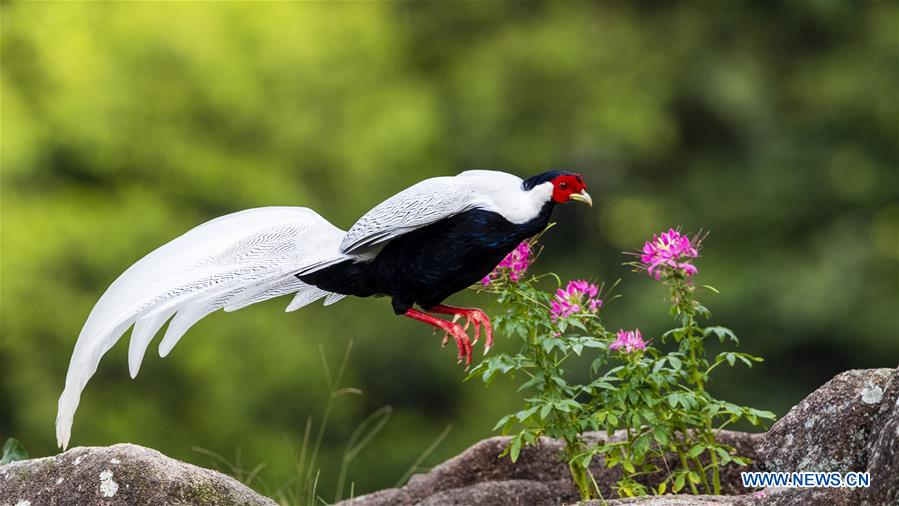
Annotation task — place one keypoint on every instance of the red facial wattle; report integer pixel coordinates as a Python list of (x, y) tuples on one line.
[(570, 187)]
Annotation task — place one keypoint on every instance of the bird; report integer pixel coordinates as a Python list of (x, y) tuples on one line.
[(418, 247)]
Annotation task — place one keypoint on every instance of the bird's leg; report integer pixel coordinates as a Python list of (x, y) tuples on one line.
[(471, 315), (451, 329)]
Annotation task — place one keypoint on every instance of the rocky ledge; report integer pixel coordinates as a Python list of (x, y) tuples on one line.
[(122, 474), (849, 424)]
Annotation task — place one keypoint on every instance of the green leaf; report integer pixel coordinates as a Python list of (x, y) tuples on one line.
[(515, 448), (537, 379), (592, 342), (13, 451), (722, 333), (525, 414), (597, 365), (672, 399), (743, 461), (502, 422), (660, 436), (763, 414), (725, 456), (658, 365), (641, 446), (578, 324), (545, 410), (696, 450), (711, 288), (675, 362), (567, 405), (744, 359), (585, 460), (678, 483)]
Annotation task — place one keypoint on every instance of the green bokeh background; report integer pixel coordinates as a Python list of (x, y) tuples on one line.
[(771, 124)]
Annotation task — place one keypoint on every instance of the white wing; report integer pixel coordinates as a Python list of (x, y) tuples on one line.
[(441, 197), (230, 262), (421, 204)]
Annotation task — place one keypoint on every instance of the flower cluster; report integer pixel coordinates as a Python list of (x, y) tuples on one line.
[(669, 250), (515, 264), (579, 296), (630, 383), (630, 340)]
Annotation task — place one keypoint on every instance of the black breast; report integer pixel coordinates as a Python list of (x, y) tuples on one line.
[(428, 265)]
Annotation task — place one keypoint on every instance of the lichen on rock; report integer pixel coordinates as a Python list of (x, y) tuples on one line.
[(883, 449), (830, 429)]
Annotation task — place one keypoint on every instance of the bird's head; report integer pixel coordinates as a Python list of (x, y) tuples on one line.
[(566, 186)]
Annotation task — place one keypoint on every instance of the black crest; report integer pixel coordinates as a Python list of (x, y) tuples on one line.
[(544, 177)]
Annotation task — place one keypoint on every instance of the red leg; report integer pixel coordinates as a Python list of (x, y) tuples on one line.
[(471, 315), (451, 329)]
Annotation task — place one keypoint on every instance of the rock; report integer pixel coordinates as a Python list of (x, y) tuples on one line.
[(479, 476), (497, 493), (776, 497), (538, 478), (667, 500), (123, 474), (849, 424), (830, 429), (883, 449), (674, 500)]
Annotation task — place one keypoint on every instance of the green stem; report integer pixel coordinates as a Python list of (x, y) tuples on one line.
[(716, 469), (579, 474), (683, 462), (702, 475)]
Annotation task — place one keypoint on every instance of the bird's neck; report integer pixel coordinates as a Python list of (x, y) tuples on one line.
[(536, 225)]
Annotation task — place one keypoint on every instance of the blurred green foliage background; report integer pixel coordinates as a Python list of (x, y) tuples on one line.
[(771, 124)]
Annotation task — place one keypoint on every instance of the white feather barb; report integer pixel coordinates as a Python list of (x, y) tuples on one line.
[(230, 262)]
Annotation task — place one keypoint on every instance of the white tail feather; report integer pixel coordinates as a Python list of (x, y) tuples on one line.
[(187, 316), (230, 262), (144, 330), (304, 298), (275, 288), (334, 297)]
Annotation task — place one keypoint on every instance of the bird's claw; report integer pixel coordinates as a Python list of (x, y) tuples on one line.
[(463, 343), (478, 319), (459, 333)]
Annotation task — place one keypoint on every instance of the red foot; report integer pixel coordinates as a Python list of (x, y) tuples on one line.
[(471, 315), (451, 328)]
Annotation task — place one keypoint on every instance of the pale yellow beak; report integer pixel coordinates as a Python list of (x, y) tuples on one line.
[(582, 197)]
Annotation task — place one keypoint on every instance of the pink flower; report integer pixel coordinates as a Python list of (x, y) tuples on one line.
[(515, 264), (630, 340), (579, 296), (669, 249)]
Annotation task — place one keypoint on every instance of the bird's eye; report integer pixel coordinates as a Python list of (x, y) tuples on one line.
[(563, 185)]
